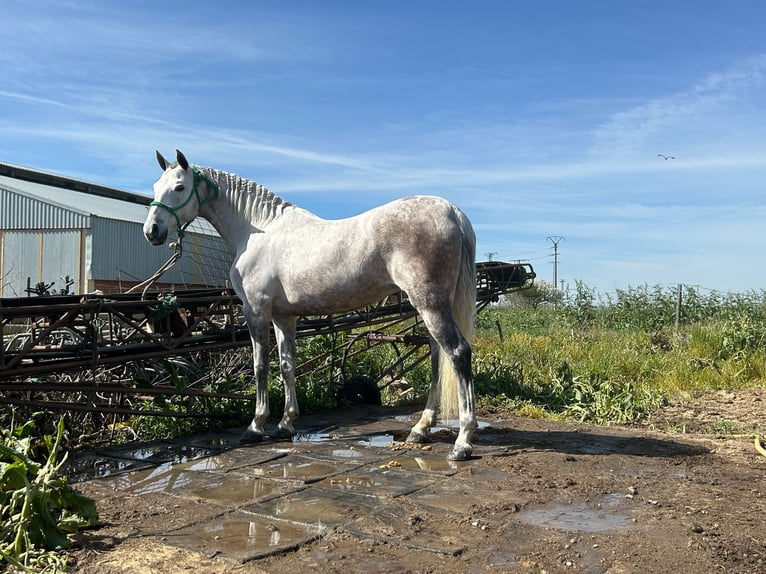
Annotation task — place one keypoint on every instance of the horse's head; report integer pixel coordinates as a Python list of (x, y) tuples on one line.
[(176, 199)]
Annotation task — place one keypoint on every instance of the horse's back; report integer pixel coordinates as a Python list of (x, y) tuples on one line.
[(425, 229), (335, 265), (420, 220)]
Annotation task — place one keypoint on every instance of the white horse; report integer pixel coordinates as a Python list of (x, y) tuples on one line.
[(289, 263)]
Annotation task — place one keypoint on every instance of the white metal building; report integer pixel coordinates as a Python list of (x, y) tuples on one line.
[(53, 227)]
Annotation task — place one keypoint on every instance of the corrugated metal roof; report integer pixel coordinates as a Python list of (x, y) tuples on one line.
[(19, 210), (75, 201)]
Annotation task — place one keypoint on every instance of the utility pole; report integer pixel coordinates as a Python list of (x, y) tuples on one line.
[(555, 239), (490, 255)]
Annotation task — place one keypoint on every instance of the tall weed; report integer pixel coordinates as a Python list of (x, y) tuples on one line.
[(615, 358)]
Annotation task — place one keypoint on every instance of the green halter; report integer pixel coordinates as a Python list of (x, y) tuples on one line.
[(198, 176)]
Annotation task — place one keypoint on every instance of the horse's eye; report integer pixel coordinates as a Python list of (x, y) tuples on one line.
[(179, 187)]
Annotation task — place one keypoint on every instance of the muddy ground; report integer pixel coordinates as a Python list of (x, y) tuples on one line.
[(684, 493)]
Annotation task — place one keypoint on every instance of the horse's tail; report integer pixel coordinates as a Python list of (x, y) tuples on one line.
[(464, 313)]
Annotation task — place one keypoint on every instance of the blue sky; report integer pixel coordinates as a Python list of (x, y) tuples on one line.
[(537, 118)]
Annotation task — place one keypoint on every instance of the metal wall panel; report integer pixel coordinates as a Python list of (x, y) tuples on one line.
[(61, 258), (120, 252), (21, 259)]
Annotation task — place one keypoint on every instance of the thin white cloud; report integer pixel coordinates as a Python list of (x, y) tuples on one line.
[(628, 131)]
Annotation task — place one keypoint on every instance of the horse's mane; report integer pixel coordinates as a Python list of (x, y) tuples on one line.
[(253, 200)]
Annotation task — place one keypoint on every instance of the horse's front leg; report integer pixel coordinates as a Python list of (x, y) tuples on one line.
[(258, 325), (284, 329)]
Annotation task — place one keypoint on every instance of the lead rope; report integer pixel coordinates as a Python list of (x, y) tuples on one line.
[(147, 283)]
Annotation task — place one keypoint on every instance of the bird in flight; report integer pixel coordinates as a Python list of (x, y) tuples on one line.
[(666, 157)]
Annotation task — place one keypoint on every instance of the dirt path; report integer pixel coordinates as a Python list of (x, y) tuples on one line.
[(540, 496)]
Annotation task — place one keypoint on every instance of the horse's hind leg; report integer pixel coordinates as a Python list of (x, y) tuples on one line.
[(467, 408), (419, 432), (284, 329), (457, 350)]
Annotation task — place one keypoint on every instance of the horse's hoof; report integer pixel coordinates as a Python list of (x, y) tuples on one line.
[(460, 453), (417, 437), (250, 437)]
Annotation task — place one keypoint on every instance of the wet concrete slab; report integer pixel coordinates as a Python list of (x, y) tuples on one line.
[(239, 489), (210, 494), (244, 536), (298, 467), (232, 460), (317, 506), (379, 482)]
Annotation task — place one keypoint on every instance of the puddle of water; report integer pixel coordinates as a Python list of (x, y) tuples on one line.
[(346, 453), (240, 490), (313, 437), (379, 482), (350, 452), (579, 516), (164, 479), (384, 440), (136, 480), (317, 506), (209, 463), (229, 488), (80, 470), (452, 424), (431, 464), (230, 460), (243, 536), (215, 441), (361, 484), (298, 468), (163, 453), (218, 442)]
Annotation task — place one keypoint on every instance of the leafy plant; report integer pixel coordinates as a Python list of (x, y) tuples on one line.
[(38, 508), (608, 402)]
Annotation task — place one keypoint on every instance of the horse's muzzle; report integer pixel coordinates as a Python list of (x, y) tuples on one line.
[(154, 234)]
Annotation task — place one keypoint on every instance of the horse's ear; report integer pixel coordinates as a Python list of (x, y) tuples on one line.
[(162, 161), (182, 160)]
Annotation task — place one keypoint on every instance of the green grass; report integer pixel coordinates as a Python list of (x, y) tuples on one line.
[(602, 360), (615, 361), (540, 353)]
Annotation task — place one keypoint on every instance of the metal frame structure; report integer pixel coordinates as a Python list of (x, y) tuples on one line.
[(98, 340)]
